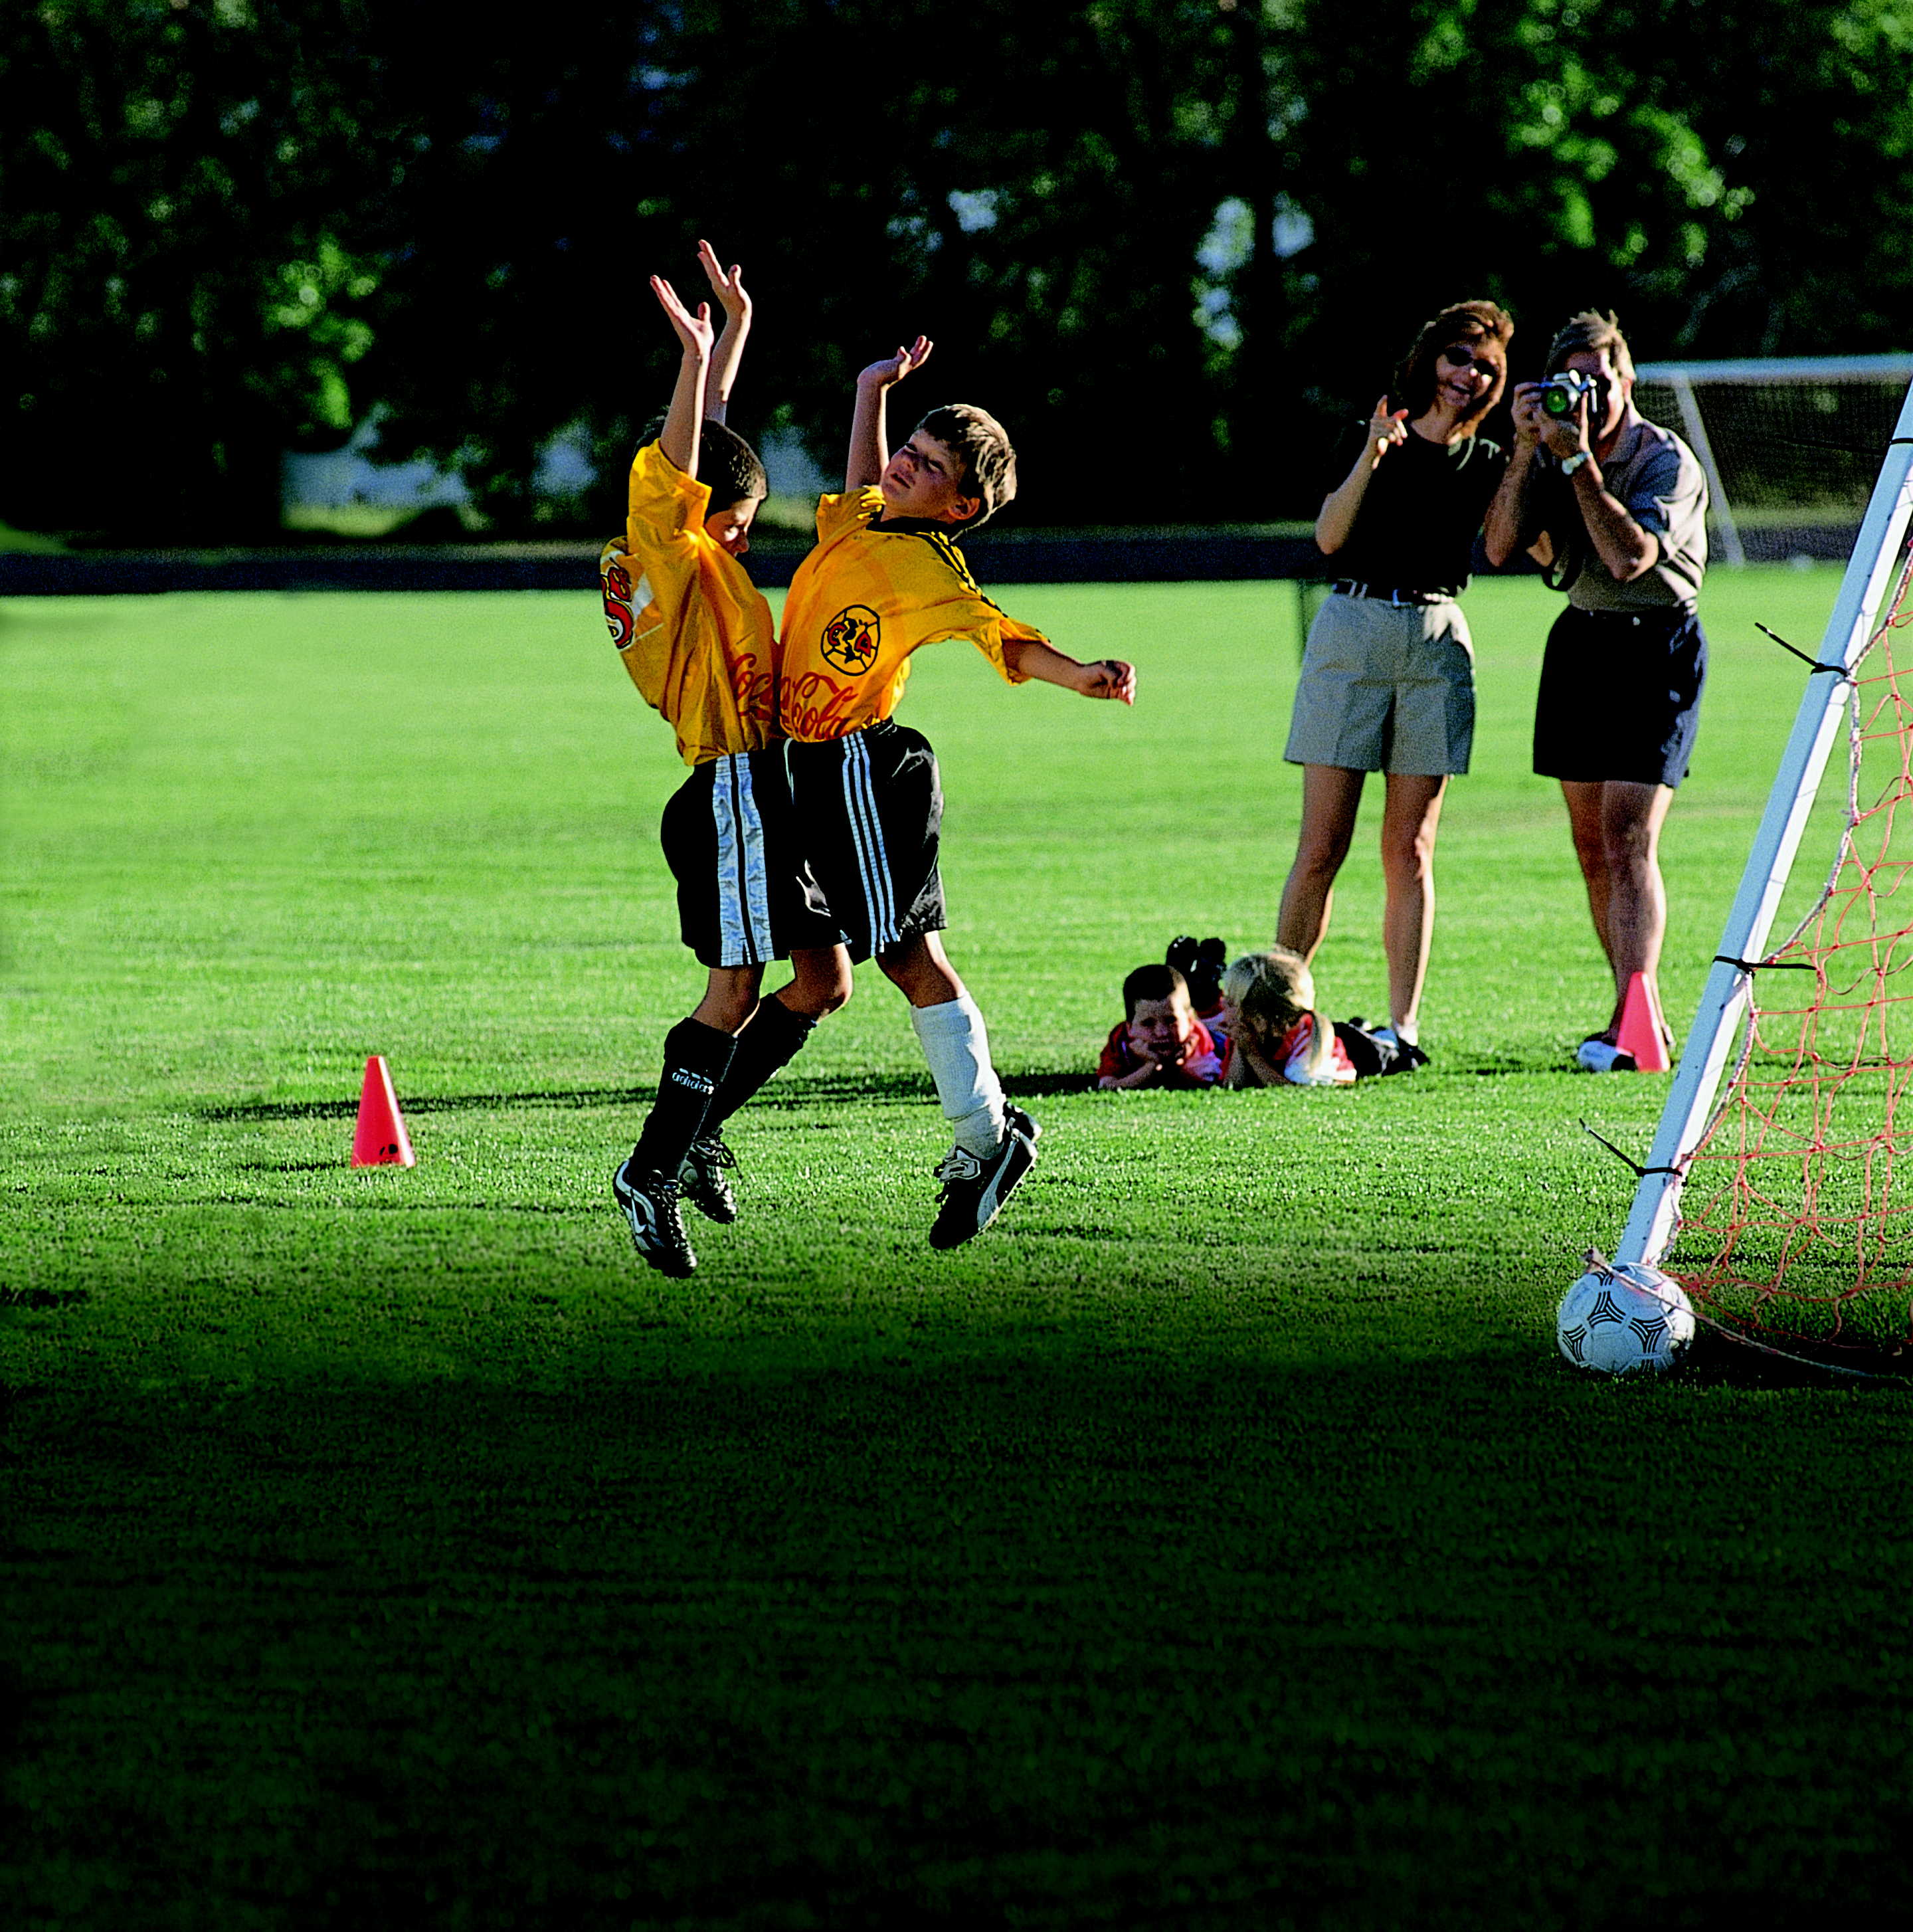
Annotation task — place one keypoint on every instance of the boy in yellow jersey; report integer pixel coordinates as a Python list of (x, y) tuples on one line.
[(886, 579), (695, 636)]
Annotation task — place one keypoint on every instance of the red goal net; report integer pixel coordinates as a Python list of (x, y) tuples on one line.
[(1795, 1220)]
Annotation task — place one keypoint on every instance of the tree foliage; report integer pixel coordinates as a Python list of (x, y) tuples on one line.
[(1169, 242)]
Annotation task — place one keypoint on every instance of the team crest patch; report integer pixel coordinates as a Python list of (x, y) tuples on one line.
[(850, 639)]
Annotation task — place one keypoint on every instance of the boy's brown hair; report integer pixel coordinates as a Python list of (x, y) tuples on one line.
[(727, 465), (1593, 332), (1148, 982), (733, 469), (989, 462), (1482, 324)]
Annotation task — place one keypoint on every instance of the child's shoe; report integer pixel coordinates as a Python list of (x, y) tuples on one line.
[(975, 1189), (649, 1200), (701, 1179), (1405, 1055)]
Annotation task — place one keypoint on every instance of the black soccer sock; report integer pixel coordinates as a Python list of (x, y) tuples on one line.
[(771, 1040), (697, 1057)]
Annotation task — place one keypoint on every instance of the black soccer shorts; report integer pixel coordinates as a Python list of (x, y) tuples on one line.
[(1620, 696), (745, 896), (869, 810)]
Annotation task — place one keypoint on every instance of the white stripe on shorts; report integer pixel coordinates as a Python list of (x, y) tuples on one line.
[(867, 835), (743, 932)]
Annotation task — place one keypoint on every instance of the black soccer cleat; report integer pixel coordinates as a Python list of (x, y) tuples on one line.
[(974, 1190), (700, 1179), (649, 1200)]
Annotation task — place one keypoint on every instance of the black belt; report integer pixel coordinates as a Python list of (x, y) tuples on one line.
[(1666, 613), (1383, 593)]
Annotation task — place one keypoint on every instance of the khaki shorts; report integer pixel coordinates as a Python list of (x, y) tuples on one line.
[(1386, 688)]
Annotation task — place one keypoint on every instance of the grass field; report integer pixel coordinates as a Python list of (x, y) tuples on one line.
[(1218, 1541)]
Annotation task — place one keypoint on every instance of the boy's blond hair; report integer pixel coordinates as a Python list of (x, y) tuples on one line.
[(1271, 991), (989, 462)]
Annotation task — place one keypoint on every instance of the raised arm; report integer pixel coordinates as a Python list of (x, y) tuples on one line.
[(679, 436), (1387, 430), (727, 285), (1510, 525), (869, 442)]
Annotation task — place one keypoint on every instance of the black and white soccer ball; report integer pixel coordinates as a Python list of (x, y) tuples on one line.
[(1625, 1318)]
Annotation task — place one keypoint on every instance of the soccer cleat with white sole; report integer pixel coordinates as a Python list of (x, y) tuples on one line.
[(975, 1188), (649, 1200)]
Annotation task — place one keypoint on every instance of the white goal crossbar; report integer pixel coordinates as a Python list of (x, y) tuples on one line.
[(1681, 377), (1684, 1120)]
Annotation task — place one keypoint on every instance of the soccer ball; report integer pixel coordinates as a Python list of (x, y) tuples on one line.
[(1625, 1318)]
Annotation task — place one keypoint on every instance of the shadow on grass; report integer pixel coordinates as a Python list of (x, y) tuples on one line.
[(1037, 1642), (1724, 1359), (882, 1088)]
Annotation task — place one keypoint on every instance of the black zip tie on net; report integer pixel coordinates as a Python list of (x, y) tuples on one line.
[(1838, 669), (1627, 1160), (1765, 965)]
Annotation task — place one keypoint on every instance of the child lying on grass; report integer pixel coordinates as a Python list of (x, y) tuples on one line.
[(1161, 1043), (1276, 1037)]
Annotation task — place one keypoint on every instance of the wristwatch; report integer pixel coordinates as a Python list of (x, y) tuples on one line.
[(1569, 464)]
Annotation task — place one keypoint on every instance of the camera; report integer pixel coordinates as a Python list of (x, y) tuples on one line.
[(1561, 394)]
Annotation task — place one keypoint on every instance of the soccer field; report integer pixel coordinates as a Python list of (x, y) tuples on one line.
[(1218, 1540)]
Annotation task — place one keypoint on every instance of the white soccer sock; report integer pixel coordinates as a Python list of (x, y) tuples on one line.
[(1407, 1035), (957, 1049)]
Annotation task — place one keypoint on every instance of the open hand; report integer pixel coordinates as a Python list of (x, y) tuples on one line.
[(895, 368), (694, 331), (727, 285)]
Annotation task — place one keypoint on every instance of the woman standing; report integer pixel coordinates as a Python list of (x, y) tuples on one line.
[(1388, 681)]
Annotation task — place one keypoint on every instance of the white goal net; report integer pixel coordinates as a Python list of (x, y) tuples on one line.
[(1790, 445)]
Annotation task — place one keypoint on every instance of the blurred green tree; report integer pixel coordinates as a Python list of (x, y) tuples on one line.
[(1170, 242), (184, 274)]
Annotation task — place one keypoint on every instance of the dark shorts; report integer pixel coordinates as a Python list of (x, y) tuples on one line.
[(870, 810), (745, 896), (1620, 696)]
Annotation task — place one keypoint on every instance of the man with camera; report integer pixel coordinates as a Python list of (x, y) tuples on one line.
[(1613, 509)]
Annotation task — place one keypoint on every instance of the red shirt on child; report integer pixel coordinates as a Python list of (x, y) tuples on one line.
[(1201, 1065)]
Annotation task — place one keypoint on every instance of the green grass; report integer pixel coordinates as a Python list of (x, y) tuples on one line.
[(1218, 1541)]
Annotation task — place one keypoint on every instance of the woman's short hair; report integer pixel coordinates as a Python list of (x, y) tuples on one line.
[(1592, 331), (1480, 324)]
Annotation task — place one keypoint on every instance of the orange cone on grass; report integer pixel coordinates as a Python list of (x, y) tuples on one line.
[(1640, 1034), (381, 1140)]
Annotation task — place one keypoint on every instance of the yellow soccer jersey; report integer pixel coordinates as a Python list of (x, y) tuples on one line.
[(860, 603), (694, 631)]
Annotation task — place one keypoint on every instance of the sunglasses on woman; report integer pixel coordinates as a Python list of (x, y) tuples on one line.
[(1463, 357)]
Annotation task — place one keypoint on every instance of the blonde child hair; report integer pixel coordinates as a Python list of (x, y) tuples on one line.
[(1270, 991)]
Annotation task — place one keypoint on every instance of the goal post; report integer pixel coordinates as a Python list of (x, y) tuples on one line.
[(1788, 444), (1880, 551)]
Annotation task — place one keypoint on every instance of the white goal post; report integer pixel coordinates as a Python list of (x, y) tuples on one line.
[(1693, 397), (1684, 1120)]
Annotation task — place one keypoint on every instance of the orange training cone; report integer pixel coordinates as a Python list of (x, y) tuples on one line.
[(381, 1140), (1640, 1033)]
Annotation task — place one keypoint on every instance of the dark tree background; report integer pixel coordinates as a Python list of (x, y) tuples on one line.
[(1170, 242)]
